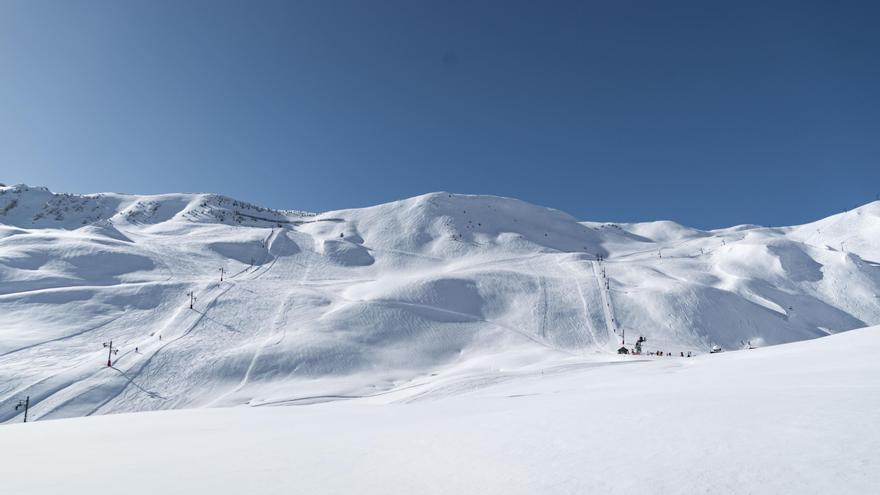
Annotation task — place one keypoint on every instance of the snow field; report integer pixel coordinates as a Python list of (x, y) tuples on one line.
[(795, 418)]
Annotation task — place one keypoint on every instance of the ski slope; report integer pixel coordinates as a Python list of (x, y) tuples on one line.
[(795, 418), (369, 302)]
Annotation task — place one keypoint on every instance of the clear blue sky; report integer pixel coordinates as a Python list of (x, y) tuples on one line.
[(707, 113)]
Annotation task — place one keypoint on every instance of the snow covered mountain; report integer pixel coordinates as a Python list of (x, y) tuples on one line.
[(350, 303)]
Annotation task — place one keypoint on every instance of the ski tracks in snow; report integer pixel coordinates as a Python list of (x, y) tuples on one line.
[(97, 380), (279, 322), (586, 307)]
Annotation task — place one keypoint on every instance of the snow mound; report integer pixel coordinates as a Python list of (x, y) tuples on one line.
[(103, 228)]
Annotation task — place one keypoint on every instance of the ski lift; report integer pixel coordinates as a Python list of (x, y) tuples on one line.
[(638, 347)]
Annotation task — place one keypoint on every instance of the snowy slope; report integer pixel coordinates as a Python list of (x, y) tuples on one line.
[(796, 418), (375, 300)]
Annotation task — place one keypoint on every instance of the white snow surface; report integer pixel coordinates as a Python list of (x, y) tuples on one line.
[(798, 418), (416, 294)]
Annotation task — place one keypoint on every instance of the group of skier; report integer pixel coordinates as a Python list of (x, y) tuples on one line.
[(668, 354)]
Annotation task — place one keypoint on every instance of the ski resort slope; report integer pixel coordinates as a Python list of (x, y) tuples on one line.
[(409, 295), (795, 418)]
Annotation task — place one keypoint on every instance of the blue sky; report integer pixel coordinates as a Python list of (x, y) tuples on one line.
[(707, 113)]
